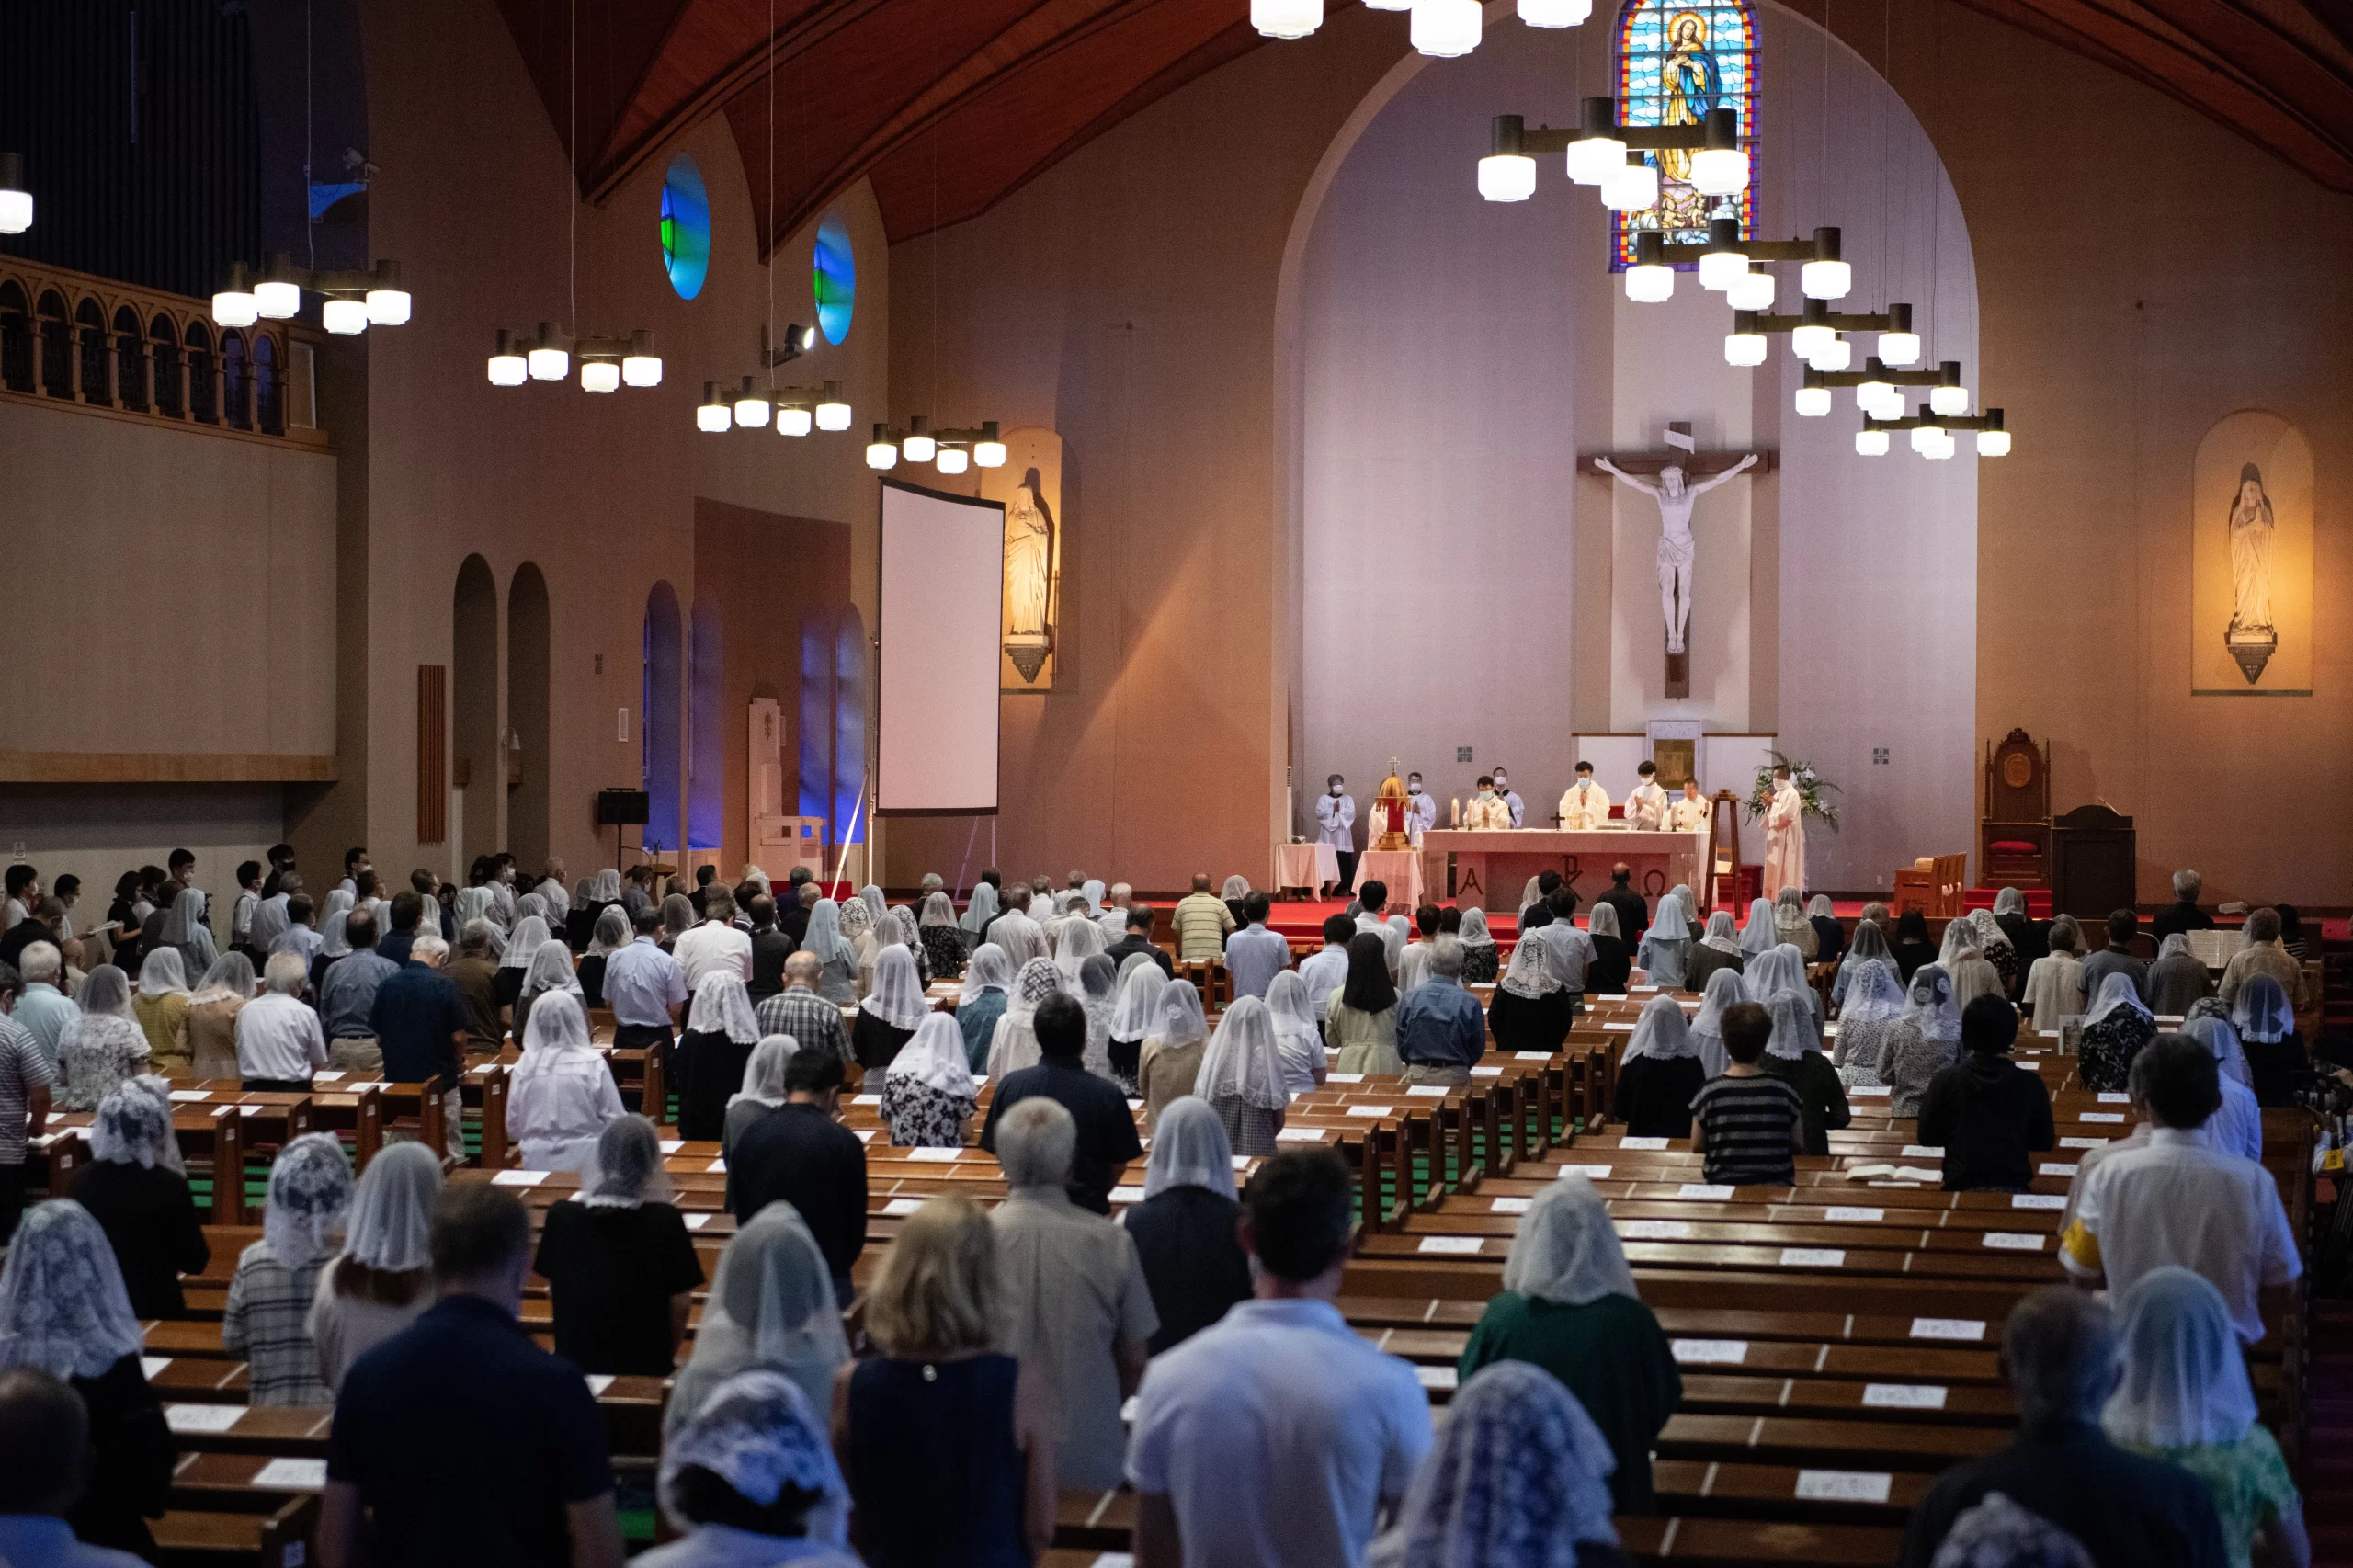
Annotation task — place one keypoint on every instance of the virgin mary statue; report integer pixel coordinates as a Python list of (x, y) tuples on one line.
[(1029, 578), (2251, 534)]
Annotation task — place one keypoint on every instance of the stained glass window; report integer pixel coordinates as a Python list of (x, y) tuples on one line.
[(1676, 61)]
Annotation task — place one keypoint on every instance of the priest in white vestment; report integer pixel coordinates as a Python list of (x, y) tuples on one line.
[(1512, 803), (1586, 805), (1692, 810), (1421, 810), (1646, 807), (1785, 835), (1486, 811)]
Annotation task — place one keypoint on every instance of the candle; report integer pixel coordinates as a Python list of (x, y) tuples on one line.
[(1456, 820)]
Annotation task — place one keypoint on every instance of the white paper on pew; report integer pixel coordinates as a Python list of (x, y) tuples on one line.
[(2052, 1167), (697, 1221), (599, 1382), (1127, 1195), (250, 1110), (1299, 1135), (335, 1077), (1372, 1110), (865, 1099), (1843, 1485), (1830, 1032), (361, 1089), (1113, 1559), (220, 1112), (518, 1179), (1344, 1077), (1654, 1230), (942, 1155), (1904, 1396), (1854, 1216), (2013, 1240), (1531, 1056), (1618, 1028), (1709, 1352), (2113, 1096), (1862, 1091), (1924, 1150), (1640, 1143), (1443, 1379), (1428, 1091), (1484, 1072), (1970, 1329), (152, 1366), (299, 1476), (867, 1136), (1620, 996), (717, 1167), (1459, 1246), (1128, 1408), (1590, 1173), (202, 1418), (184, 1095), (2083, 1143), (899, 1208), (1814, 1257), (1716, 1191), (672, 1145), (2172, 1017), (2101, 1116), (979, 1080), (1510, 1205), (2036, 1200), (1241, 1162)]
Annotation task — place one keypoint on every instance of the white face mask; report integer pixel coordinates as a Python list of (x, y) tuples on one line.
[(1502, 785), (1336, 792), (1413, 788)]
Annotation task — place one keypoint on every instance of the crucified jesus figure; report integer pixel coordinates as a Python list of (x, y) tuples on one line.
[(1675, 500)]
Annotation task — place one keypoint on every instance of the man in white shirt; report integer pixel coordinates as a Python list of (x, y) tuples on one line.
[(279, 1043), (1254, 955), (1585, 804), (1275, 1437), (1335, 824), (1646, 807), (1328, 970), (1689, 813), (2181, 1201), (1486, 813), (1517, 807), (716, 943), (1114, 918), (1421, 810)]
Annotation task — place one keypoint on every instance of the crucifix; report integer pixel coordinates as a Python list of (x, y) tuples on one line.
[(1683, 475)]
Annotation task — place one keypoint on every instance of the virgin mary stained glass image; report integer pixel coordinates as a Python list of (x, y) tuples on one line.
[(1676, 61)]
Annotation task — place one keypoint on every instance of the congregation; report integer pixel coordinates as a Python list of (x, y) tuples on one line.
[(930, 1404)]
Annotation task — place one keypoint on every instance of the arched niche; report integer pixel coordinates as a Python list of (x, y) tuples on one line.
[(706, 732), (475, 790), (527, 717)]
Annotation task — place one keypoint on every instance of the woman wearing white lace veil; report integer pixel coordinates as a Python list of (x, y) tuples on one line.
[(335, 933), (771, 1304), (2178, 979), (1994, 945), (887, 1019), (1133, 1017), (531, 934), (102, 1047), (184, 928), (1666, 945), (1758, 935), (550, 971), (751, 1478), (212, 1010), (2227, 1047), (1241, 1076), (383, 1280), (1791, 925), (1171, 1059), (619, 1261), (560, 1096), (1829, 937), (1869, 942), (763, 1089), (1963, 958), (2236, 1124), (64, 1309), (719, 1034), (836, 956), (1867, 1020), (1725, 989), (1718, 947), (929, 1094), (1530, 1009), (1479, 959), (1925, 1041), (2115, 1029), (1659, 1072), (1793, 1054), (979, 910), (471, 904), (266, 1318), (1016, 1042), (943, 940), (1098, 992), (1080, 941), (2265, 1021), (1570, 1307), (161, 1009), (1298, 1044), (858, 919), (988, 991), (1184, 1228)]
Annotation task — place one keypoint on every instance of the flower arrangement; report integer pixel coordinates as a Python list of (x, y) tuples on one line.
[(1812, 789)]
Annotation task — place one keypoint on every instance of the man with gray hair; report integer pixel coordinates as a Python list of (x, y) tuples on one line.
[(419, 1022), (2263, 954), (1441, 1028), (1073, 1295), (279, 1043), (2183, 915), (43, 1010), (474, 971), (1113, 917), (932, 883), (2061, 1356), (815, 1023)]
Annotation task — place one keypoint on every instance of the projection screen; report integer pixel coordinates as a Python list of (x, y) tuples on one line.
[(941, 610)]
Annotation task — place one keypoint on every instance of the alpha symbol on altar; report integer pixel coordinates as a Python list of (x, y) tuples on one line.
[(1388, 808)]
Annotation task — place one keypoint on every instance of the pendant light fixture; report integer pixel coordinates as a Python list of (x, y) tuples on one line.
[(1933, 436), (16, 200), (1650, 281), (1725, 261), (953, 451), (1282, 19), (1506, 173), (1554, 13), (1600, 151), (1445, 30)]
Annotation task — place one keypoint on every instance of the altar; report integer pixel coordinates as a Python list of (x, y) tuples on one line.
[(1488, 870)]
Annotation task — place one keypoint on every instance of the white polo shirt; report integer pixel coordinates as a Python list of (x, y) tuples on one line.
[(278, 1036), (713, 945), (1275, 1433), (2179, 1200)]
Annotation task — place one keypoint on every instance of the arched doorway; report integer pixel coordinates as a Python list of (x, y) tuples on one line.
[(527, 717), (476, 792), (665, 663)]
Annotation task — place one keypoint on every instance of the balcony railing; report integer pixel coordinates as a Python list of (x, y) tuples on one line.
[(82, 339)]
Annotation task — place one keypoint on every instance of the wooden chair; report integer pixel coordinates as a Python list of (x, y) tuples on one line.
[(1947, 886), (2014, 840)]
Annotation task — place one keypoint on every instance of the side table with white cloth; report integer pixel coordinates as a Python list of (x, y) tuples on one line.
[(1309, 866), (1399, 869)]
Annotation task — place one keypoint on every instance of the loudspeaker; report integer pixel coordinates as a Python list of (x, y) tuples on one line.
[(623, 808)]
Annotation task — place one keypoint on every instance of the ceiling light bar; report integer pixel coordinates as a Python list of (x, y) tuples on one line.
[(352, 300), (1594, 152)]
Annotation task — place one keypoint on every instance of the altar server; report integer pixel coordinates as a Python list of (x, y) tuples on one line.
[(1586, 804), (1646, 807), (1335, 822), (1421, 810), (1517, 807)]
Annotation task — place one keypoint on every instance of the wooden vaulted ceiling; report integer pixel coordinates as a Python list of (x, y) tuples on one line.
[(948, 106)]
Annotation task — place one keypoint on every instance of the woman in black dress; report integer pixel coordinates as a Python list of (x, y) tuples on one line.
[(610, 934), (1613, 957), (1532, 1009), (136, 1187), (721, 1033), (1911, 948), (1184, 1228), (1660, 1071), (887, 1019)]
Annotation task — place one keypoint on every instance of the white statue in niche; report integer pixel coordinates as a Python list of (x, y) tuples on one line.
[(1675, 500), (1029, 578)]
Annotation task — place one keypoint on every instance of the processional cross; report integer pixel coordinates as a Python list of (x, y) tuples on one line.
[(1683, 475)]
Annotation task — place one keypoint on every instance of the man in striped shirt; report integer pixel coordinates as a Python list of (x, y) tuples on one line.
[(1748, 1126), (1202, 920)]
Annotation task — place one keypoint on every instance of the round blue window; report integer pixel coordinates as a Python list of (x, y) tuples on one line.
[(685, 227), (833, 278)]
